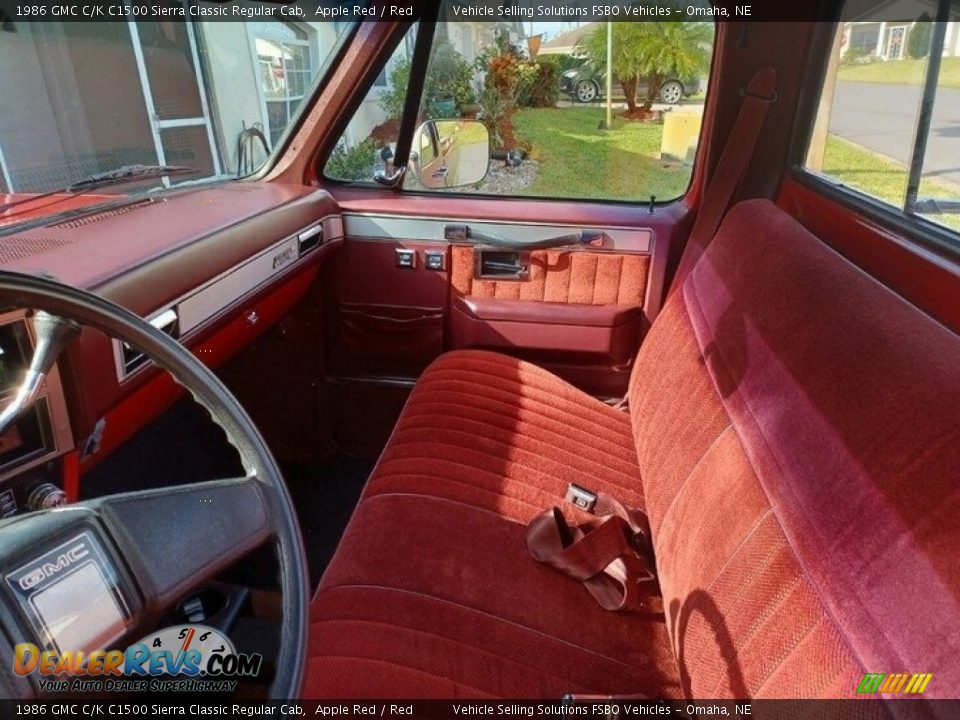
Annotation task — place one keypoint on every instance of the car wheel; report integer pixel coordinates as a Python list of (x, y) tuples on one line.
[(671, 92), (586, 91)]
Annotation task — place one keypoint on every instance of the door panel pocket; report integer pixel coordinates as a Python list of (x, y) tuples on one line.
[(393, 340)]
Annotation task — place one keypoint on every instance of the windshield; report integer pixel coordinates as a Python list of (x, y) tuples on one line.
[(81, 98)]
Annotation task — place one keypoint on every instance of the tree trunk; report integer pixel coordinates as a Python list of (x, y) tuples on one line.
[(629, 85), (653, 88)]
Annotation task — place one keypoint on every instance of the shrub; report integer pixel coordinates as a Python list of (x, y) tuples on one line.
[(540, 87), (449, 76), (353, 163), (855, 56), (508, 75), (393, 99), (918, 42)]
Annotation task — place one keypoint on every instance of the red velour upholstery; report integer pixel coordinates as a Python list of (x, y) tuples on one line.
[(803, 485), (795, 429), (432, 592)]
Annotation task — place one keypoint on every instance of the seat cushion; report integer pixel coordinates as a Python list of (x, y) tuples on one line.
[(432, 593)]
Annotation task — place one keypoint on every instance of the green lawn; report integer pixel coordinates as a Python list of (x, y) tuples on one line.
[(579, 160), (901, 72), (882, 178)]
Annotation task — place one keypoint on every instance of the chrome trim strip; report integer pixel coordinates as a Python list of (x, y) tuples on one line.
[(212, 299), (371, 226)]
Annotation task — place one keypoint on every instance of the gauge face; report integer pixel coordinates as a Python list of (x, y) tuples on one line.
[(189, 641)]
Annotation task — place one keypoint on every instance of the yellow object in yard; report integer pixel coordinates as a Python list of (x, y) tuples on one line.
[(681, 130)]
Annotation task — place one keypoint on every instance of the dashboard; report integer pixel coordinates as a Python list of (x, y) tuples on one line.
[(212, 266), (39, 435)]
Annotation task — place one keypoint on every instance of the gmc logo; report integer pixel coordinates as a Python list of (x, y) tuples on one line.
[(48, 569)]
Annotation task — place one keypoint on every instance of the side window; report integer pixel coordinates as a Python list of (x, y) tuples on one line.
[(886, 125), (540, 92)]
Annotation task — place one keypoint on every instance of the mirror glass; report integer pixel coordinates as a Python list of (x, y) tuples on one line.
[(450, 153)]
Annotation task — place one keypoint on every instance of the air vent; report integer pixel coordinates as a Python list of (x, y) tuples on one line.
[(309, 239), (8, 504), (18, 247), (166, 322), (98, 216), (234, 188)]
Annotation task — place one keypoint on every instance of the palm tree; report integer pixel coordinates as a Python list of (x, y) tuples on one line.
[(650, 51), (628, 54), (674, 49)]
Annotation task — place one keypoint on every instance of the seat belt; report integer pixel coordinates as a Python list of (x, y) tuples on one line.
[(611, 554), (759, 95)]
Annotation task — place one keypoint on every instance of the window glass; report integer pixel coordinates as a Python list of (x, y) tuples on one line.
[(871, 134), (87, 97), (539, 89), (285, 70), (168, 50)]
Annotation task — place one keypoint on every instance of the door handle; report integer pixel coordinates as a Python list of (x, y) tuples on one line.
[(502, 264)]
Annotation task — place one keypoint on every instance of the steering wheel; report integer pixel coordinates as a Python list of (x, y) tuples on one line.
[(154, 546)]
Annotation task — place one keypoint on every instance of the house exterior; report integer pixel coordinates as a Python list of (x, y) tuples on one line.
[(566, 43), (195, 87), (889, 40)]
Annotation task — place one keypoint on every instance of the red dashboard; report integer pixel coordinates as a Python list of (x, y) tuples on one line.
[(215, 266)]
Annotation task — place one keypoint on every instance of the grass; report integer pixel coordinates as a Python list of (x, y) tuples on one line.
[(581, 161), (901, 72), (880, 177)]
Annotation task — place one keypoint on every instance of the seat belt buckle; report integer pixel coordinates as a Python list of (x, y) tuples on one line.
[(581, 498)]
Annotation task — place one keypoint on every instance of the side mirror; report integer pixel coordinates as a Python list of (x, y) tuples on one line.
[(450, 153)]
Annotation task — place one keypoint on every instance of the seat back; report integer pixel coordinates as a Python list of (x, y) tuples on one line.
[(798, 434)]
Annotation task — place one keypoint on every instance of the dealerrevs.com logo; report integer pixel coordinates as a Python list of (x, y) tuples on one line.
[(187, 658)]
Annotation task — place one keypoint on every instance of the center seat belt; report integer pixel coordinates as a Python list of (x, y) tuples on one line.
[(612, 555), (759, 94)]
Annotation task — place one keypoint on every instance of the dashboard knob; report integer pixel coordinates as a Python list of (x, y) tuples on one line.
[(45, 496)]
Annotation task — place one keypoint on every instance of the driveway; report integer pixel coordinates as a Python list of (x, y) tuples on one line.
[(883, 118)]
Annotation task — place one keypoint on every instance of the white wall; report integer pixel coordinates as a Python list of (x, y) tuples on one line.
[(232, 84)]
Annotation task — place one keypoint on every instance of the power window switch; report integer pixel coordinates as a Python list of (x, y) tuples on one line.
[(434, 259), (406, 258)]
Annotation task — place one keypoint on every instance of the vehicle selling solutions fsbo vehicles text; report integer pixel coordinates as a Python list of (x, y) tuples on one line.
[(624, 12)]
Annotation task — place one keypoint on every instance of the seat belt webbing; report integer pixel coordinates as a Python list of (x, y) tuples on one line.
[(760, 93), (611, 554)]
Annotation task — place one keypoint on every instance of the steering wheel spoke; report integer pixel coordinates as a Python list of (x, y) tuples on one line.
[(176, 538)]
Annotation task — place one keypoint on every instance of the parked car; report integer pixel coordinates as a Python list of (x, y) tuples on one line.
[(585, 85)]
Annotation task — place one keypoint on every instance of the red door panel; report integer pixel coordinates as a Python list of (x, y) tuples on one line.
[(390, 318), (581, 312), (577, 312)]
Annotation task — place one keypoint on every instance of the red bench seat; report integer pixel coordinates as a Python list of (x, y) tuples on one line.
[(793, 434)]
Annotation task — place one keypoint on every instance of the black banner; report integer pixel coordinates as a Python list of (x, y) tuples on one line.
[(195, 706), (13, 11)]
